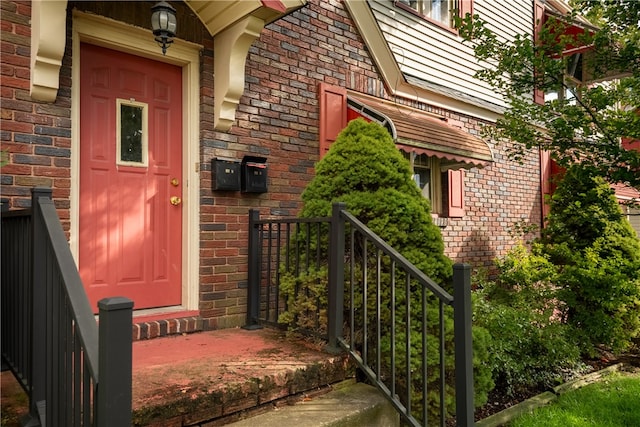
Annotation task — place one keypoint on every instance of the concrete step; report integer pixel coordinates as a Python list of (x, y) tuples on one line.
[(349, 404), (209, 378)]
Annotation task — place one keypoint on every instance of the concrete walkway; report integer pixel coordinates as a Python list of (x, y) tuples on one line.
[(349, 404)]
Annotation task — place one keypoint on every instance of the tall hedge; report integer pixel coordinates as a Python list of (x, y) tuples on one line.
[(597, 254)]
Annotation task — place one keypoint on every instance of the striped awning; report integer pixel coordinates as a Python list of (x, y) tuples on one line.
[(421, 133)]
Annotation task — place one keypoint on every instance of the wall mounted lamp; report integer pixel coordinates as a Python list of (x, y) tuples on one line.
[(163, 24)]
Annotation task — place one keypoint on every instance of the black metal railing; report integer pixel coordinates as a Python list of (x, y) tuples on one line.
[(399, 326), (74, 371), (282, 250)]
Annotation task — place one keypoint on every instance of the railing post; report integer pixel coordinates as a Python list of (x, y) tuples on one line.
[(253, 279), (336, 277), (463, 345), (38, 333), (114, 394)]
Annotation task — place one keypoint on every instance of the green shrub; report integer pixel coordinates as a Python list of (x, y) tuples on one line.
[(365, 170), (527, 349), (306, 301), (525, 281), (530, 344), (597, 255)]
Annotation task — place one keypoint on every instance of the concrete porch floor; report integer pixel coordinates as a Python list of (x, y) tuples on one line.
[(216, 377)]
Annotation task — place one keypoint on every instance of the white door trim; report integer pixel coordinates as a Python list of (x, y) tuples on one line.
[(118, 36)]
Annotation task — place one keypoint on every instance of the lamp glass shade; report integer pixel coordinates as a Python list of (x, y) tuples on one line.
[(163, 19)]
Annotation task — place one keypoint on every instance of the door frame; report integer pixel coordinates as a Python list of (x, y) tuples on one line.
[(126, 38)]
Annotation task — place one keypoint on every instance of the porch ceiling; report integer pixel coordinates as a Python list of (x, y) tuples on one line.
[(218, 15)]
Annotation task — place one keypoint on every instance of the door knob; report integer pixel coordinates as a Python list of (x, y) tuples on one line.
[(175, 200)]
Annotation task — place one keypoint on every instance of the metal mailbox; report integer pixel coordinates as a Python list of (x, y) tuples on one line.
[(225, 174), (254, 174)]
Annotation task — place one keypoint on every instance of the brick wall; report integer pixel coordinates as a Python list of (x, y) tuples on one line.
[(497, 199), (278, 119), (36, 135)]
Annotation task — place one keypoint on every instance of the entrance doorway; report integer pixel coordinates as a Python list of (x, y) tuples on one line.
[(131, 189)]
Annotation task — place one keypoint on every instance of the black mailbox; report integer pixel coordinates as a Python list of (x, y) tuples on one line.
[(225, 174), (254, 174)]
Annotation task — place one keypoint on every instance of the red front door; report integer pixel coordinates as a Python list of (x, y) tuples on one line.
[(130, 238)]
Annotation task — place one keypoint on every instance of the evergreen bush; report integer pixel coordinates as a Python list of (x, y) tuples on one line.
[(364, 170), (368, 173), (306, 300), (597, 255)]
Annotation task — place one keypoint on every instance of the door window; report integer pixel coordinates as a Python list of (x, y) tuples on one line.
[(131, 135)]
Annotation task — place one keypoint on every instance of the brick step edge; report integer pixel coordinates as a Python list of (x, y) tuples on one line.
[(166, 327), (209, 406)]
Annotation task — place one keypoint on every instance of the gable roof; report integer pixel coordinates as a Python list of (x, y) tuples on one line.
[(398, 83)]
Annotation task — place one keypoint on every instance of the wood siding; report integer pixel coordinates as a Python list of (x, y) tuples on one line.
[(436, 55)]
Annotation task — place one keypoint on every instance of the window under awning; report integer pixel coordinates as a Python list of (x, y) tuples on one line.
[(418, 132)]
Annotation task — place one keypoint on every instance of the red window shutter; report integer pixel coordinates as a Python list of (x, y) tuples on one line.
[(550, 173), (631, 144), (333, 114), (545, 181), (455, 193), (557, 172), (538, 96), (466, 6), (538, 16)]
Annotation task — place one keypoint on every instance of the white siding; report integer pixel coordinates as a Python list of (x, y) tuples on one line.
[(634, 219), (432, 54)]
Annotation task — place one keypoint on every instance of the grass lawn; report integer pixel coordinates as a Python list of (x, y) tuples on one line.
[(612, 402)]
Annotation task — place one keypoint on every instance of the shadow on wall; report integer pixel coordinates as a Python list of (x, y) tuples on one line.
[(479, 249)]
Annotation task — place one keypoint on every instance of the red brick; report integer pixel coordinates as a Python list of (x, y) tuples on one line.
[(11, 126), (15, 83), (52, 172)]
